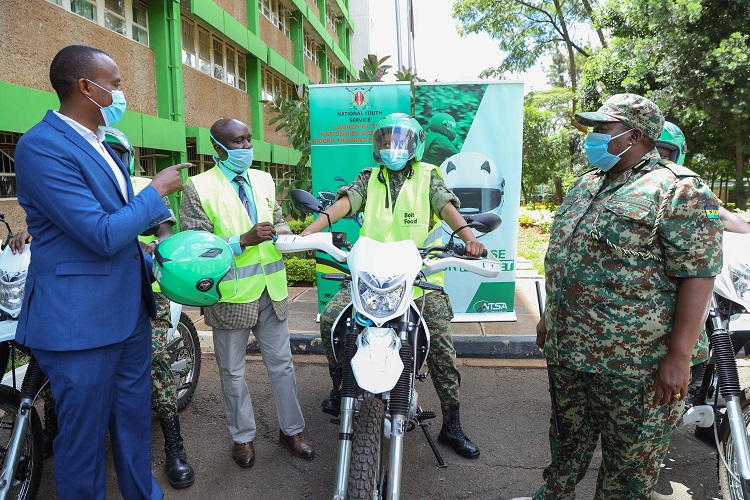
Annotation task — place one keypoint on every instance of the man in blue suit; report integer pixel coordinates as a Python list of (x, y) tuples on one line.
[(88, 295)]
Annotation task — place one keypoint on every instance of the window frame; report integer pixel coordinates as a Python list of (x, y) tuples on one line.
[(206, 62), (101, 12)]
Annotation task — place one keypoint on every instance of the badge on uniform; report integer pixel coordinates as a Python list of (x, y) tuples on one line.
[(712, 211)]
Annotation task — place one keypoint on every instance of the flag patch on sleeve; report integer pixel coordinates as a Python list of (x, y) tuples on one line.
[(712, 211)]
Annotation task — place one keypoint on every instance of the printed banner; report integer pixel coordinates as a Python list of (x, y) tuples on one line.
[(474, 133), (342, 117)]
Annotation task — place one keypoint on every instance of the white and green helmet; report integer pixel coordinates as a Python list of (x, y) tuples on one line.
[(120, 143), (398, 132)]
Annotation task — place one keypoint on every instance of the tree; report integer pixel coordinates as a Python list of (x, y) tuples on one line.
[(692, 58), (528, 29)]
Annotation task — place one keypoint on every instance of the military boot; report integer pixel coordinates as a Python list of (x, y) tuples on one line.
[(181, 475), (50, 431), (332, 405), (453, 435)]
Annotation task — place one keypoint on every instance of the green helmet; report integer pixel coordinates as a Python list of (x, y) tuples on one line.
[(121, 145), (444, 124), (402, 137), (190, 265), (673, 139)]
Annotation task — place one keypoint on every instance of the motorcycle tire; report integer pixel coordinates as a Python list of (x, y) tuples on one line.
[(186, 345), (29, 470), (730, 488), (364, 471)]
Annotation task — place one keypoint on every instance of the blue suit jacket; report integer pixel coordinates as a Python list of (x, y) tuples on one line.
[(87, 279)]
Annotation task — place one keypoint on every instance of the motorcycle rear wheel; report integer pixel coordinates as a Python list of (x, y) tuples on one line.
[(29, 470), (731, 488), (364, 471), (185, 345)]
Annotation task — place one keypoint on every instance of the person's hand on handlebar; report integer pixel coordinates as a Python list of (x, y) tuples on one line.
[(474, 248)]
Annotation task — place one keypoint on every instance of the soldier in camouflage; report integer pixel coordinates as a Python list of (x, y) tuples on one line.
[(397, 176), (632, 257)]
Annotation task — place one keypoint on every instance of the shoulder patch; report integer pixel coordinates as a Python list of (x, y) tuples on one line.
[(678, 170), (712, 211)]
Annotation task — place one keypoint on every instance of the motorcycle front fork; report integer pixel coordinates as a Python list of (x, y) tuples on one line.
[(729, 386), (349, 393), (33, 383)]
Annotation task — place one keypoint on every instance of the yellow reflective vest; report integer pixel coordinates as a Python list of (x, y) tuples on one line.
[(408, 218), (139, 184), (261, 266)]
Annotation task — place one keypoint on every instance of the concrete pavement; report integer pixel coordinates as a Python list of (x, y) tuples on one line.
[(499, 340)]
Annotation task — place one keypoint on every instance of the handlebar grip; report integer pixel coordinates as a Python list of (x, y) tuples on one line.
[(460, 249), (484, 253)]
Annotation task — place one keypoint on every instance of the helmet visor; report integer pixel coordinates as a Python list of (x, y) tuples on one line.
[(674, 151), (478, 200), (395, 137)]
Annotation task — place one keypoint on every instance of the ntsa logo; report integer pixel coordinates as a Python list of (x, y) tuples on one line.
[(482, 306), (360, 97)]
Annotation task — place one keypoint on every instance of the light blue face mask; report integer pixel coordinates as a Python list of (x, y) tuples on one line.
[(112, 113), (238, 160), (597, 153), (394, 159)]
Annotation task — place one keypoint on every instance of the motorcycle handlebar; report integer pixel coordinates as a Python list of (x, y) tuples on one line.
[(458, 249)]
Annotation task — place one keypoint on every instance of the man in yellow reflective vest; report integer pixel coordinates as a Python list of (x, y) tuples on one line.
[(238, 203), (405, 185)]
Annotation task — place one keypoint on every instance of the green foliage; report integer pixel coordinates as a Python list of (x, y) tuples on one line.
[(299, 270), (691, 57), (373, 69), (406, 75), (297, 226), (532, 245), (541, 219)]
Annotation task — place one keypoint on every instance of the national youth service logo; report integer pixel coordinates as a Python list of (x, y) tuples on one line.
[(360, 97)]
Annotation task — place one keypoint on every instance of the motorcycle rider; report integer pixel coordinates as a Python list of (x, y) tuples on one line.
[(163, 389), (672, 146), (403, 184), (438, 142)]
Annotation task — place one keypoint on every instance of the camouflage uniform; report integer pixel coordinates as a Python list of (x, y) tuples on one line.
[(163, 388), (616, 254), (441, 359)]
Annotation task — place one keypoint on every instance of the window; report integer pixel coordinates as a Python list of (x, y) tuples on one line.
[(331, 17), (129, 18), (333, 72), (273, 85), (215, 57), (201, 163), (311, 49), (282, 177), (274, 11), (8, 143)]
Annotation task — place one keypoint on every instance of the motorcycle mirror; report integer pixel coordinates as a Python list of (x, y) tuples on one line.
[(484, 222), (304, 202)]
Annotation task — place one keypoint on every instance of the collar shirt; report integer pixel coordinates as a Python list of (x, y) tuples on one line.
[(613, 267), (96, 139)]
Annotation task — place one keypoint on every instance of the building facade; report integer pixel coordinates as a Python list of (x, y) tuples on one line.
[(184, 64)]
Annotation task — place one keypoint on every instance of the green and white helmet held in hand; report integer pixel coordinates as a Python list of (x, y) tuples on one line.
[(673, 139), (121, 145), (397, 139), (190, 265)]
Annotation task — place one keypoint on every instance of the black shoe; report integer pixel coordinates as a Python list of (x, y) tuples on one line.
[(181, 475), (50, 431), (453, 435), (332, 405)]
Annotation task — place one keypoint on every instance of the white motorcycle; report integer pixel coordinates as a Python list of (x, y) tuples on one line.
[(716, 403), (21, 439), (383, 341)]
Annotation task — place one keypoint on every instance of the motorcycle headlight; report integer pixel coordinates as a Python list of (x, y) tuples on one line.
[(380, 296), (11, 290), (741, 280)]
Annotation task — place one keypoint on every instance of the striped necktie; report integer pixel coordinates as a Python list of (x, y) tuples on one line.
[(248, 204)]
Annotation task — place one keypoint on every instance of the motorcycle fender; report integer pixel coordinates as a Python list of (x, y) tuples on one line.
[(377, 365)]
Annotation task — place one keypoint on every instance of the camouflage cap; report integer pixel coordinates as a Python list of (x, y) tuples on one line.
[(633, 110)]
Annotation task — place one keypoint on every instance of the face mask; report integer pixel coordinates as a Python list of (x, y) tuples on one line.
[(112, 113), (394, 159), (238, 160), (596, 150)]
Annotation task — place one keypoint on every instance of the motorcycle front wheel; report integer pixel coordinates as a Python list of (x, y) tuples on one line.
[(185, 357), (730, 487), (28, 475), (364, 471)]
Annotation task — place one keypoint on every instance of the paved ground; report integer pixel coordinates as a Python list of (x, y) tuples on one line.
[(505, 409)]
